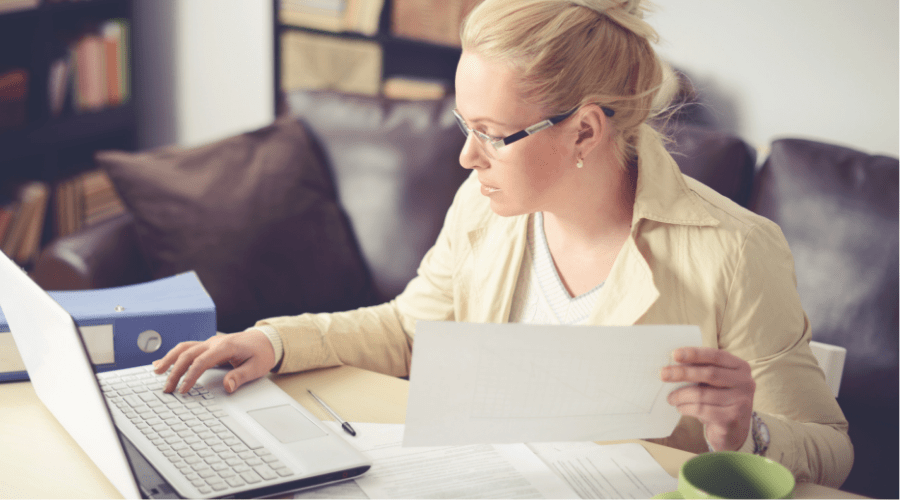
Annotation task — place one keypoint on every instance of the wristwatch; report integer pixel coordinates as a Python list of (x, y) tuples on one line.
[(760, 433)]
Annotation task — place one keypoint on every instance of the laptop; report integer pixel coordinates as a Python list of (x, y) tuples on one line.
[(255, 442)]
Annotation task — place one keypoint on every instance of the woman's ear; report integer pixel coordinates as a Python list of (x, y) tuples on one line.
[(592, 126)]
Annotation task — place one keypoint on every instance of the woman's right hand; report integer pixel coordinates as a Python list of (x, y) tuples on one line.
[(249, 352)]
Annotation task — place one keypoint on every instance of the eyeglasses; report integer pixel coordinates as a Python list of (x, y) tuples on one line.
[(499, 142)]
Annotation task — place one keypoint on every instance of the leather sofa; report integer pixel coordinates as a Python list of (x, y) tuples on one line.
[(393, 167)]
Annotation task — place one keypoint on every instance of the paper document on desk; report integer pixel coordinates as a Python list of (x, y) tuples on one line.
[(513, 383), (474, 471), (624, 470)]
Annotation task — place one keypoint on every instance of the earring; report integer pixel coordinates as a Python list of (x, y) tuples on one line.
[(579, 163)]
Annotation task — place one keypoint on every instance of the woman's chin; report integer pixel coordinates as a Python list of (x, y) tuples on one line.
[(505, 209)]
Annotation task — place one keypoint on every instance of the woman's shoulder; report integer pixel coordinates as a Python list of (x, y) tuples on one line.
[(731, 217)]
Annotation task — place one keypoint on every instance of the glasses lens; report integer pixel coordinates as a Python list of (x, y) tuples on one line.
[(462, 124)]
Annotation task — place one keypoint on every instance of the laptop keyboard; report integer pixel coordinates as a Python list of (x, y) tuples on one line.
[(210, 448)]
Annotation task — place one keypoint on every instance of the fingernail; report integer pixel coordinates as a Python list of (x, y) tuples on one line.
[(229, 385), (677, 355), (664, 373)]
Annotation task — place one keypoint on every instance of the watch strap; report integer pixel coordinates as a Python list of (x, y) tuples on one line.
[(760, 434)]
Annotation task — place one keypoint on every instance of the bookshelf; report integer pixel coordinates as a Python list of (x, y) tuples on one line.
[(401, 56), (76, 97)]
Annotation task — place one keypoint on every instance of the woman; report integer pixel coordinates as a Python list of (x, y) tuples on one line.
[(574, 213)]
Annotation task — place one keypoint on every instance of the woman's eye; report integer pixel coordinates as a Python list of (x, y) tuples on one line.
[(493, 137)]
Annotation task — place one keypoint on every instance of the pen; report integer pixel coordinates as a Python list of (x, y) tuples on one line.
[(344, 423)]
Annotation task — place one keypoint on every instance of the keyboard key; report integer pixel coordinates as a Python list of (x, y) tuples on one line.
[(251, 477), (284, 472), (265, 472), (205, 490), (241, 433), (235, 481), (277, 465)]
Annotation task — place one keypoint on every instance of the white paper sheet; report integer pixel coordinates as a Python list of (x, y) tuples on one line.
[(474, 471), (513, 383), (609, 471)]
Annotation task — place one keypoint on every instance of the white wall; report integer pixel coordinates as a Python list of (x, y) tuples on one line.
[(816, 69), (205, 69)]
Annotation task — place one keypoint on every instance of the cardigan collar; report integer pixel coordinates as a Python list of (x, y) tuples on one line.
[(661, 195)]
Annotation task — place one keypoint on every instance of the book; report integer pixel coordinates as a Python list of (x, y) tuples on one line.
[(435, 21), (7, 213), (34, 204), (412, 88), (90, 73), (13, 98), (114, 33), (17, 5), (58, 84), (85, 199), (326, 15), (22, 242), (360, 16), (311, 61)]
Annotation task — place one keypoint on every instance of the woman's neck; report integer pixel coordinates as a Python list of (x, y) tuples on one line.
[(596, 207)]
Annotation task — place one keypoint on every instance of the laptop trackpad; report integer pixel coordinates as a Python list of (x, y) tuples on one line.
[(286, 423)]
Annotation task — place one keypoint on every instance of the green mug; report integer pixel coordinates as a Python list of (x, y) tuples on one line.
[(731, 474)]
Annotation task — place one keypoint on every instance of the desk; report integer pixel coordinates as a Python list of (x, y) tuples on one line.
[(38, 459)]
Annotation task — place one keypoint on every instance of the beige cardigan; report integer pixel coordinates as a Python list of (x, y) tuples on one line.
[(693, 257)]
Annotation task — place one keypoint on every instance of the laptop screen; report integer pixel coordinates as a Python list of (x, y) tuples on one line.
[(60, 371)]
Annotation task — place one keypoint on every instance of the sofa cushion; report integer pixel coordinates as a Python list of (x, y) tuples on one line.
[(720, 160), (254, 215), (396, 166), (837, 208)]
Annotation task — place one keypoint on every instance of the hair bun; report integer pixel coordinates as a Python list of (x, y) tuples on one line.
[(630, 7), (627, 13)]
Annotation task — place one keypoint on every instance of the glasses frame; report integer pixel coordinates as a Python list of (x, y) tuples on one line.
[(499, 142)]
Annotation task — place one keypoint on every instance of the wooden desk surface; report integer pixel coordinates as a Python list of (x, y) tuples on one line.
[(38, 458)]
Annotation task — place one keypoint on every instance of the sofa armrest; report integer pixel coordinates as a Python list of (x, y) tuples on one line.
[(103, 255)]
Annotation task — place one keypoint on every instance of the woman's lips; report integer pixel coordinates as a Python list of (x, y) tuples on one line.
[(486, 190)]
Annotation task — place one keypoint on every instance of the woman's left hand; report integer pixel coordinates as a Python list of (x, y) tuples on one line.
[(722, 398)]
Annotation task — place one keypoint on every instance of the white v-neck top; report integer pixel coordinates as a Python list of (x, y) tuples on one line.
[(540, 296)]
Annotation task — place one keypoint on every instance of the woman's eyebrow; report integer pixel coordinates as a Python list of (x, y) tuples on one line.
[(482, 120)]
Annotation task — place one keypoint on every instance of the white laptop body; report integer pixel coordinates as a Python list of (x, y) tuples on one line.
[(262, 420)]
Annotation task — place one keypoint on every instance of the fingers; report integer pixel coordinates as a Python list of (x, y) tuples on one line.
[(707, 356), (710, 375), (720, 395), (252, 369), (197, 360), (249, 352), (705, 365), (163, 364), (704, 395)]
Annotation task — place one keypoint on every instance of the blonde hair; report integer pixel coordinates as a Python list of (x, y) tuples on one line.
[(574, 52)]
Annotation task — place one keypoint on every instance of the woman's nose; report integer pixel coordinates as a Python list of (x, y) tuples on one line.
[(470, 156)]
